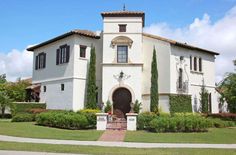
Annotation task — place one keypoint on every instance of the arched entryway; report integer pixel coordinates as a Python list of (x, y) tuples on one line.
[(121, 98)]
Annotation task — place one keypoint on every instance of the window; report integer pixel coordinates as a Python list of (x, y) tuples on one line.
[(122, 28), (63, 54), (180, 78), (62, 87), (195, 63), (40, 61), (122, 54), (191, 67), (44, 88), (200, 64), (82, 51)]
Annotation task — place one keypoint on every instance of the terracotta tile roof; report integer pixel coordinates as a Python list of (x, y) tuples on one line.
[(176, 43), (136, 13), (85, 33), (125, 14)]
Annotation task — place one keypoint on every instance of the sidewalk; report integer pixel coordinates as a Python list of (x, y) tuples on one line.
[(116, 144)]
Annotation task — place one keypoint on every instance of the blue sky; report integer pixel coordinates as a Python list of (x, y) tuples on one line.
[(28, 22)]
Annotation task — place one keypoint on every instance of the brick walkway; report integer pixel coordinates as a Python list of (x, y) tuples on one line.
[(113, 136)]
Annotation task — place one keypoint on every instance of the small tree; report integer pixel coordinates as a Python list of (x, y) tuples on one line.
[(154, 84), (108, 107), (3, 78), (91, 84), (204, 99), (228, 91), (5, 102), (137, 106)]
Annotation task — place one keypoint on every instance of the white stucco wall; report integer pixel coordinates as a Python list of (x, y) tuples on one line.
[(195, 78)]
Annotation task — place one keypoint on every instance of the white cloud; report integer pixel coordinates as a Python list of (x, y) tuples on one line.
[(219, 36), (16, 64)]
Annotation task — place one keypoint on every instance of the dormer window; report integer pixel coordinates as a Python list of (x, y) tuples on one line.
[(122, 28)]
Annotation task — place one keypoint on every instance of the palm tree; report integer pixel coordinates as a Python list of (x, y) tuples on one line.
[(5, 102)]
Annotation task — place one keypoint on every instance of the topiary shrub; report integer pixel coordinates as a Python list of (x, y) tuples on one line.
[(180, 103), (108, 107), (62, 119), (23, 117), (90, 114)]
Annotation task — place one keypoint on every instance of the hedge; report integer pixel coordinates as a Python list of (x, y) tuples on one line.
[(25, 107), (223, 116), (23, 117), (90, 114), (180, 103), (62, 119)]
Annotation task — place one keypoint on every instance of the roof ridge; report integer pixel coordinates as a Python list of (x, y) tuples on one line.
[(177, 43)]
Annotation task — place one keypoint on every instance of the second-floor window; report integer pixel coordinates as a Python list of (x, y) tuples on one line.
[(195, 63), (200, 64), (122, 28), (40, 61), (122, 54), (63, 54), (82, 53)]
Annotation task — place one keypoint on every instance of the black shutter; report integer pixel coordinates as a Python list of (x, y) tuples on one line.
[(67, 53), (36, 62), (44, 60), (58, 57)]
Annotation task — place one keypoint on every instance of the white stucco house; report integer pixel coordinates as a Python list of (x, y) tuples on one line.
[(122, 49)]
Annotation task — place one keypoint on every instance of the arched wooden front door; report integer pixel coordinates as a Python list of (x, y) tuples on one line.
[(121, 102)]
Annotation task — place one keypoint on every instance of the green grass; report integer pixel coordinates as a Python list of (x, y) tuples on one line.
[(109, 150), (28, 129), (214, 136)]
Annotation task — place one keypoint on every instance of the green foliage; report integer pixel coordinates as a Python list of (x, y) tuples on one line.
[(154, 83), (5, 102), (180, 103), (218, 123), (26, 107), (204, 99), (91, 85), (62, 119), (108, 107), (181, 123), (223, 116), (90, 114), (137, 106), (3, 78), (144, 119), (228, 91), (16, 91), (23, 117)]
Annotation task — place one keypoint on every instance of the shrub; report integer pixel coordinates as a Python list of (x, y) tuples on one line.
[(218, 123), (223, 116), (62, 119), (181, 123), (144, 120), (137, 106), (26, 107), (90, 114), (37, 110), (180, 103), (108, 106), (23, 117)]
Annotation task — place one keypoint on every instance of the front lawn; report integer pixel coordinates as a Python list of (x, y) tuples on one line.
[(214, 136), (28, 129), (109, 150)]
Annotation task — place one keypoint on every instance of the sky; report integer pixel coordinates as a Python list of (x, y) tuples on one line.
[(208, 24)]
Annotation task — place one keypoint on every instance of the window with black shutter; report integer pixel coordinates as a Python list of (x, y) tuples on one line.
[(195, 63), (200, 64), (82, 53), (63, 54), (191, 63), (40, 61)]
